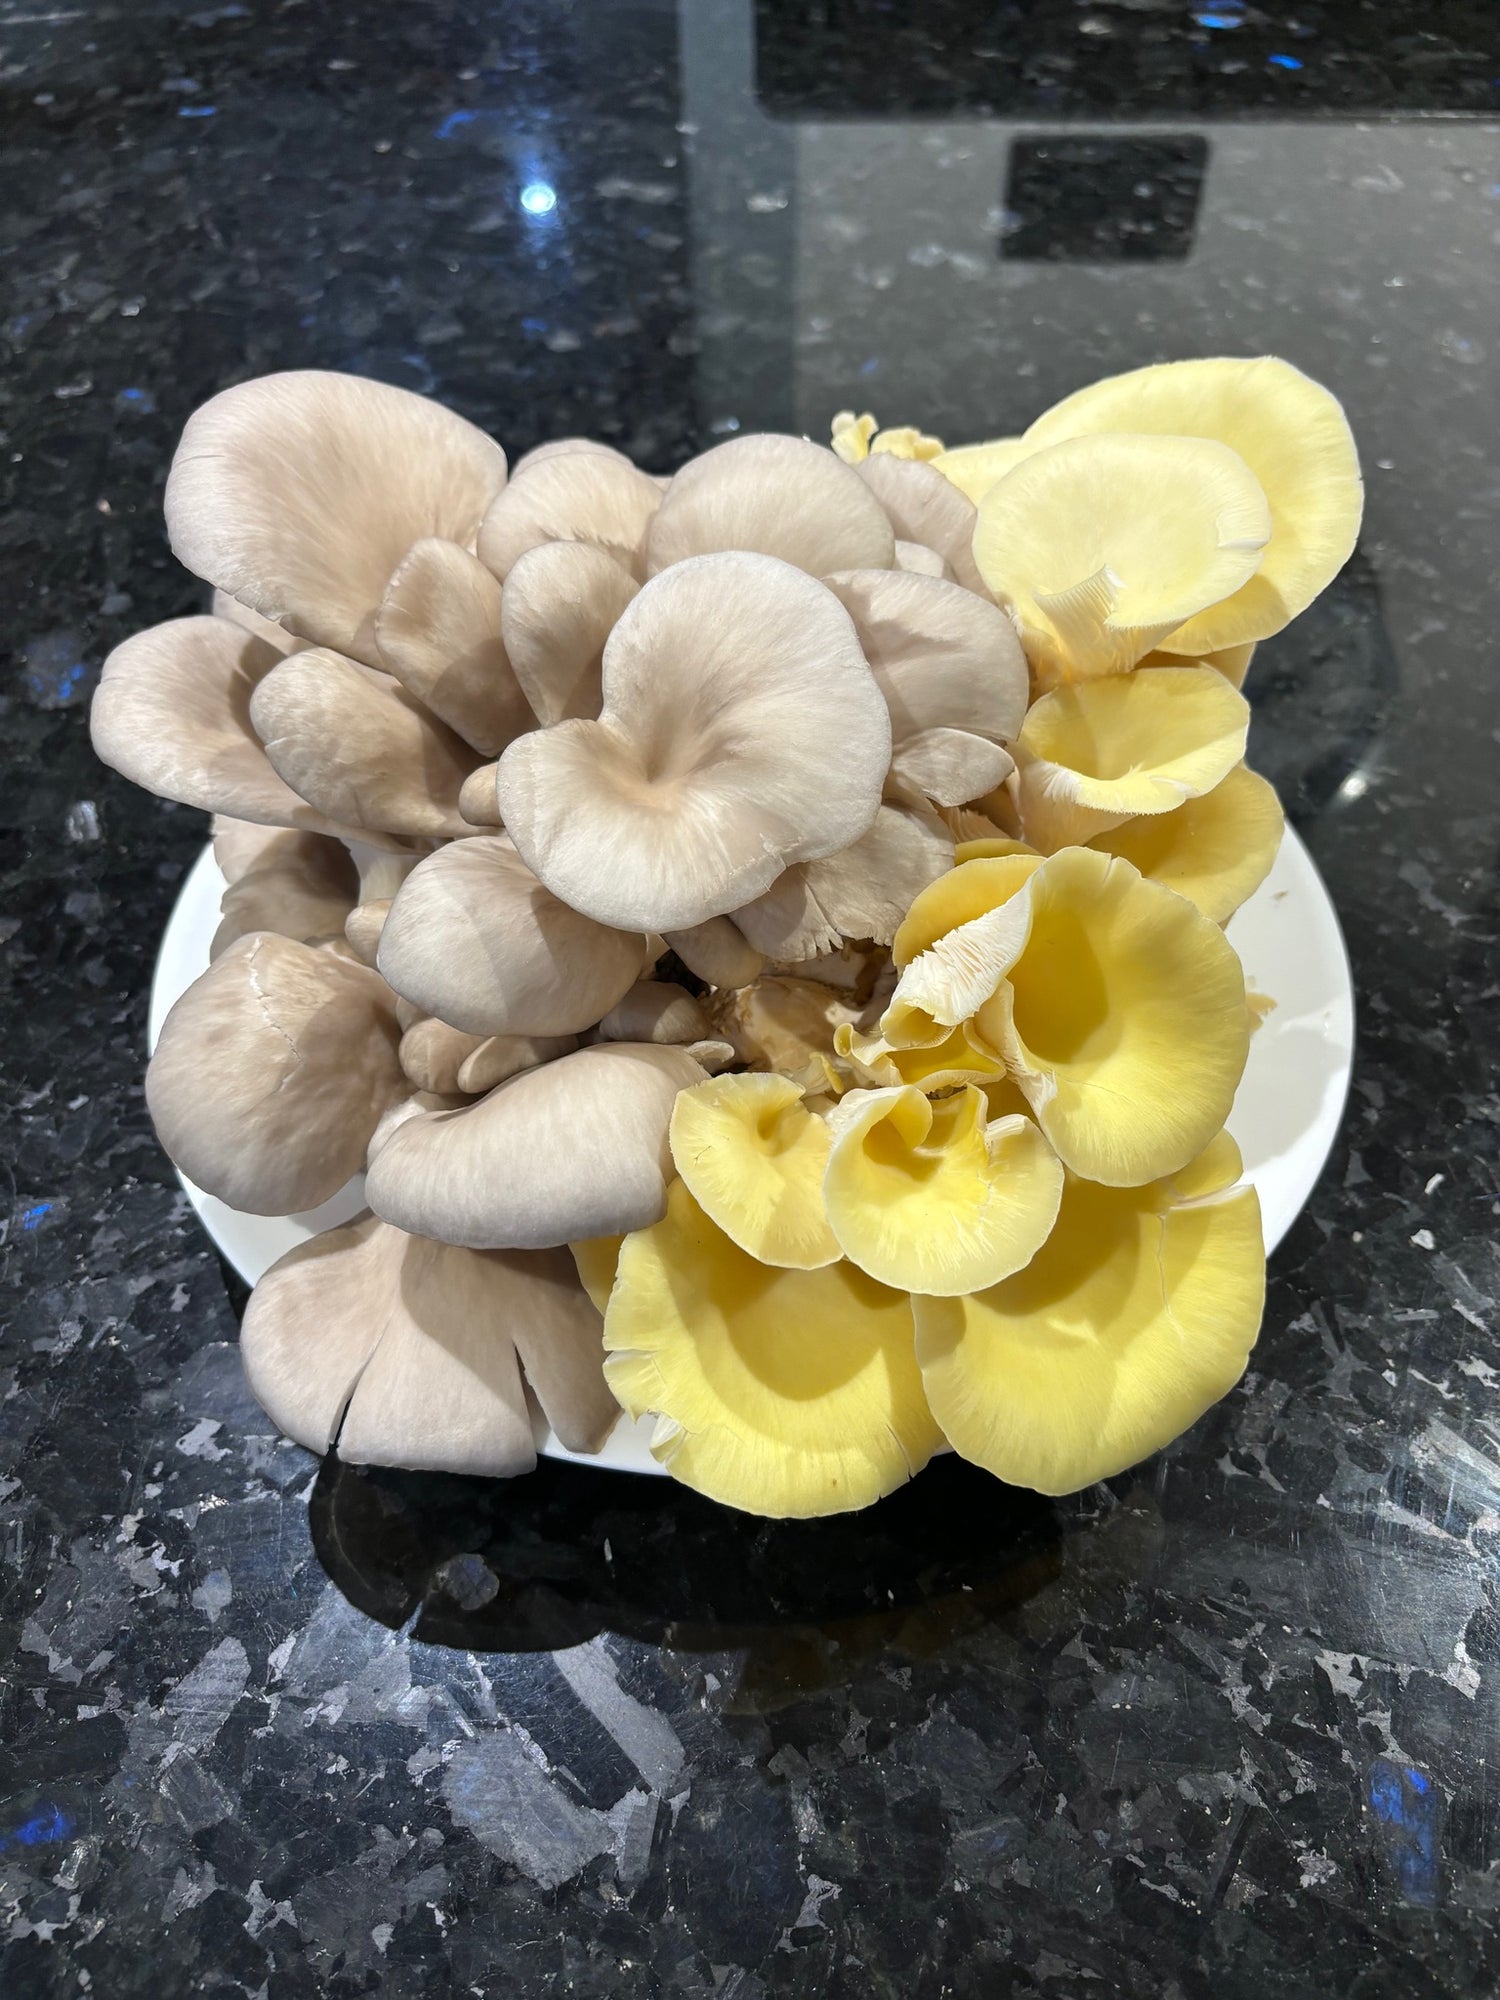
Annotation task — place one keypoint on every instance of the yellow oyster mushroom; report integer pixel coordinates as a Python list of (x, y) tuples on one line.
[(1215, 850), (753, 1157), (1102, 545), (1295, 438), (992, 847), (1116, 1004), (875, 1061), (856, 437), (781, 1392), (851, 436), (933, 1197), (1233, 662), (1122, 1017), (906, 441), (1095, 754), (965, 892), (975, 468), (1135, 1316)]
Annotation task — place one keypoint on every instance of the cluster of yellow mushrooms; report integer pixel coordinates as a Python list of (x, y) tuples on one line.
[(760, 932)]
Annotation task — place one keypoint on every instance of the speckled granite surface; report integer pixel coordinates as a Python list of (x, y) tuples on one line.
[(1228, 1727)]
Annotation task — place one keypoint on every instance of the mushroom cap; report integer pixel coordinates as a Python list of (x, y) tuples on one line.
[(937, 1197), (393, 1346), (476, 939), (271, 1073), (1092, 755), (1102, 545), (717, 951), (655, 1010), (300, 493), (861, 892), (975, 468), (1295, 438), (561, 447), (172, 713), (359, 747), (559, 1336), (438, 630), (924, 507), (775, 496), (920, 560), (943, 658), (789, 1393), (727, 683), (1117, 1006), (753, 1158), (1215, 850), (1135, 1316), (432, 1054), (477, 802), (301, 885), (562, 600), (571, 497), (500, 1057), (576, 1148)]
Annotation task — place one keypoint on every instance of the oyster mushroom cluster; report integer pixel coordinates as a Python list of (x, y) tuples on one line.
[(758, 932)]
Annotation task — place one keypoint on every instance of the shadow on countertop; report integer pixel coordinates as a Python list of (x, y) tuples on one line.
[(551, 1560)]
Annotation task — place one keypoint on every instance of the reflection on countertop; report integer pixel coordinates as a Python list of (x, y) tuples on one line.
[(1224, 1726)]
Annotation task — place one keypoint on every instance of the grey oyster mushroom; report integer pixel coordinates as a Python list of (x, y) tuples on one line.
[(539, 798)]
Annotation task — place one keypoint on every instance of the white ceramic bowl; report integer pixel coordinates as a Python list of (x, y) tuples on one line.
[(1285, 1115)]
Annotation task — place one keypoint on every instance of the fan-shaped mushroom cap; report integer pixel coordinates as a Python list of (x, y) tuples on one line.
[(776, 496), (300, 493), (943, 658), (655, 1010), (397, 1112), (360, 748), (784, 1392), (1233, 662), (438, 629), (299, 1046), (301, 885), (571, 497), (1296, 440), (475, 938), (397, 1339), (862, 892), (172, 713), (717, 951), (1093, 755), (561, 448), (922, 506), (753, 1157), (222, 605), (500, 1057), (477, 802), (917, 558), (1117, 1006), (432, 1055), (363, 927), (1103, 545), (574, 1149), (975, 468), (729, 683), (937, 1197), (562, 600), (1215, 850), (1136, 1315)]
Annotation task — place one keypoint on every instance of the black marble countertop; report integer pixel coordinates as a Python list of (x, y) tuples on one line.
[(1229, 1726)]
